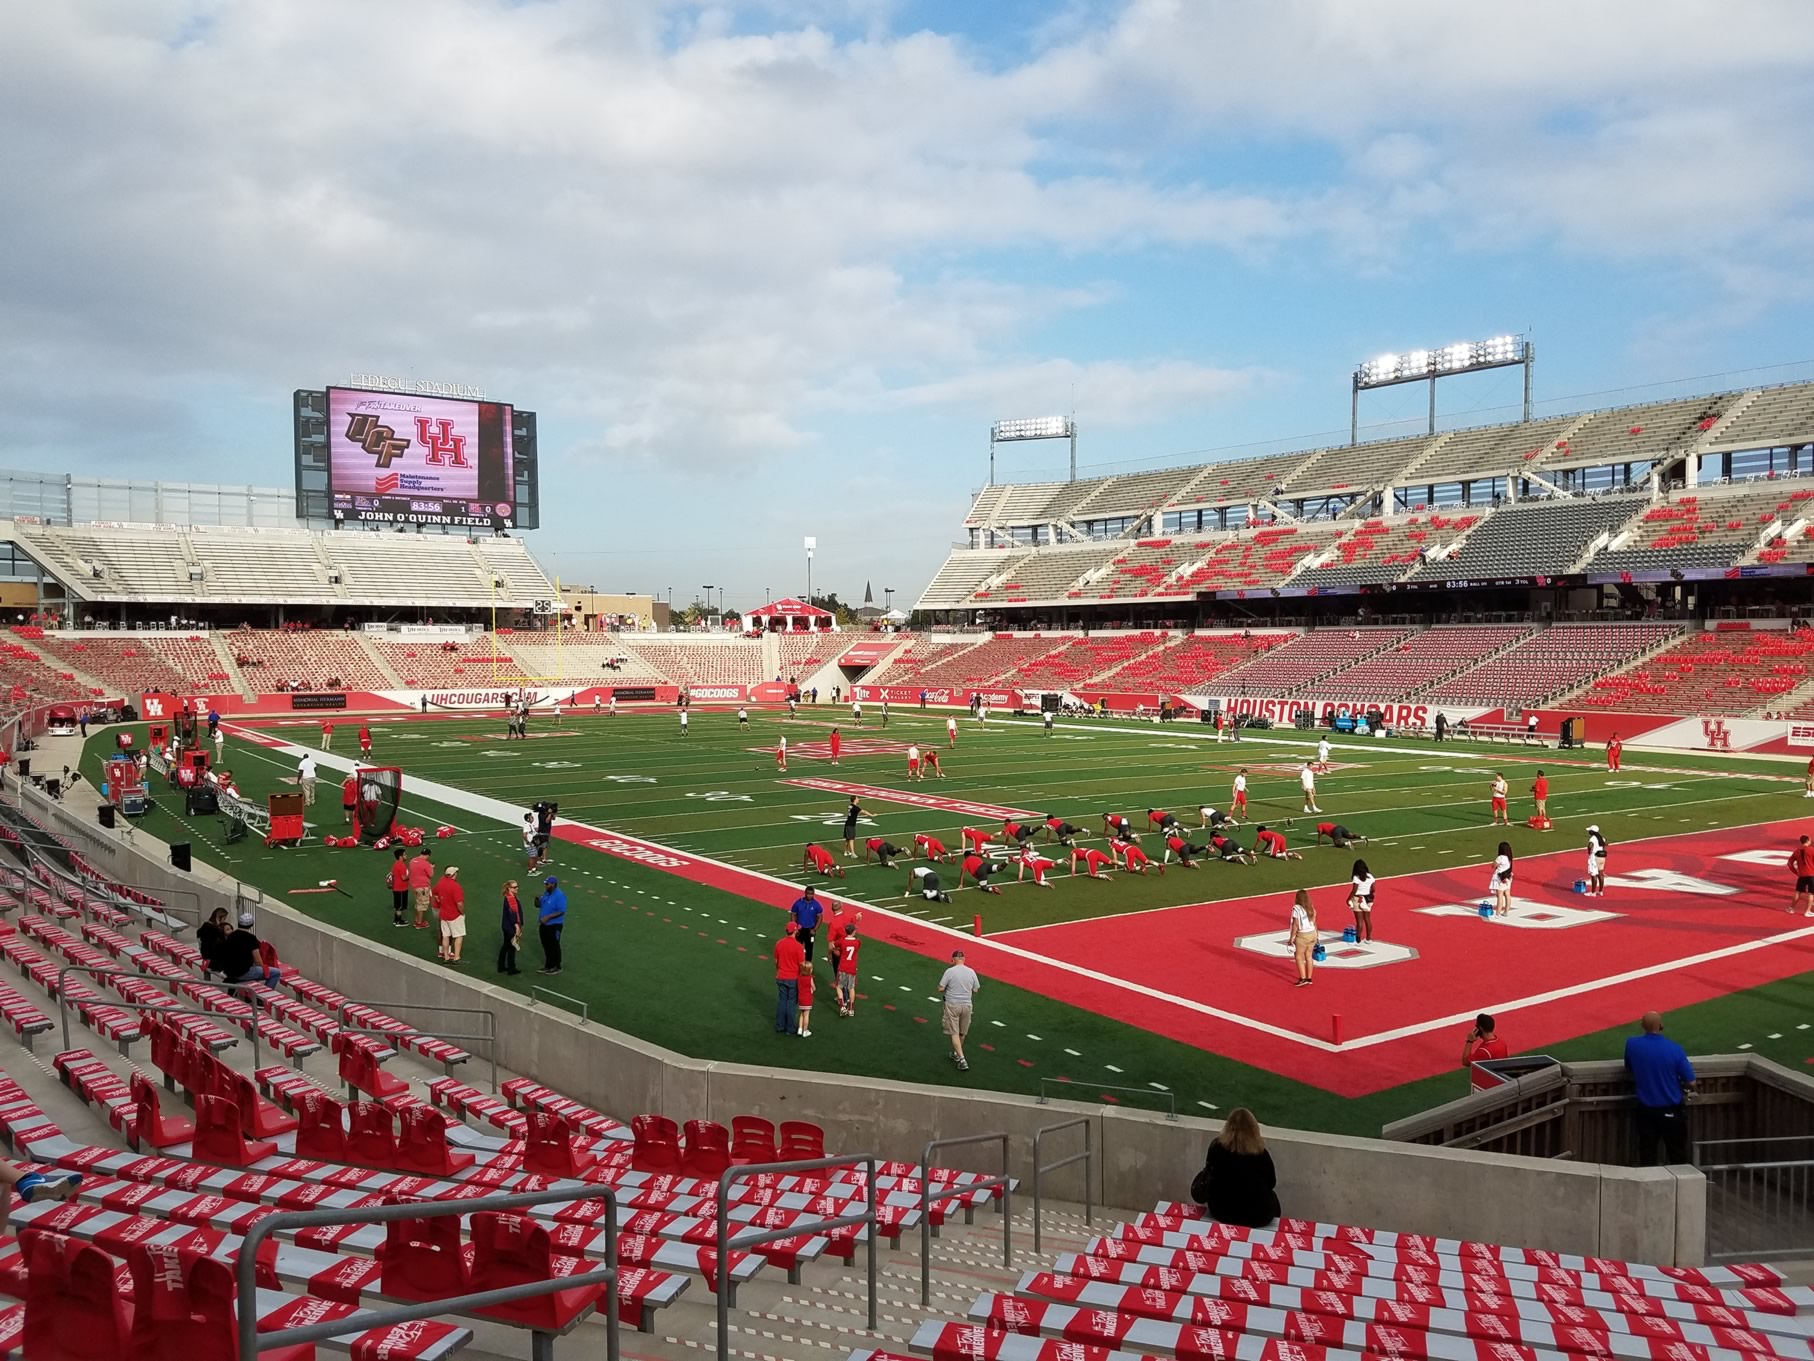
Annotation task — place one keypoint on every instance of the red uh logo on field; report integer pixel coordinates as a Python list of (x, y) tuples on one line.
[(1719, 737), (444, 447), (376, 438)]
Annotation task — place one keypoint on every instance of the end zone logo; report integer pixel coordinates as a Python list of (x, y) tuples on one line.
[(1719, 737)]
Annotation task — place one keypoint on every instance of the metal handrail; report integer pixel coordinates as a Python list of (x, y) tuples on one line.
[(100, 971), (491, 1022), (738, 1173), (927, 1196), (1087, 1157), (252, 1342), (35, 855), (1072, 1088), (585, 1011)]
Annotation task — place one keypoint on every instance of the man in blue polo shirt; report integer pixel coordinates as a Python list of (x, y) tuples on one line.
[(805, 914), (1662, 1076), (551, 920)]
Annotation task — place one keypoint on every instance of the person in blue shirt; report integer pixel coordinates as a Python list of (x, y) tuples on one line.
[(551, 917), (805, 914), (1663, 1077)]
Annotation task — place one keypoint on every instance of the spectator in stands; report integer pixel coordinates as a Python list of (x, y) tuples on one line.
[(32, 1187), (208, 937), (958, 987), (242, 956), (551, 921), (1482, 1042), (1663, 1079), (450, 907), (421, 885), (1238, 1183), (790, 962)]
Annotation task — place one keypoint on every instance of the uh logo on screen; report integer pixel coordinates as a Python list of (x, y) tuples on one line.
[(444, 448)]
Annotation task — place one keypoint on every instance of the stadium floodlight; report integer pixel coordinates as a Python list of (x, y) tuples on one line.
[(1033, 427), (1419, 366)]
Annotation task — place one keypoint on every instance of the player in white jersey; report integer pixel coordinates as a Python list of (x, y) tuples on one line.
[(1322, 754), (1307, 778)]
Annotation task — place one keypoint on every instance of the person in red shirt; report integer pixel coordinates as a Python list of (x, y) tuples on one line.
[(882, 849), (1339, 836), (1116, 826), (820, 859), (1179, 845), (1016, 831), (365, 740), (1615, 749), (1801, 865), (974, 838), (327, 734), (1482, 1043), (781, 754), (930, 847), (837, 745), (837, 922), (1807, 784), (1272, 844), (930, 758), (1057, 828), (1031, 859), (790, 959), (1133, 859), (978, 869), (846, 955), (398, 879), (1092, 860), (421, 886), (349, 796), (450, 907), (1161, 819), (803, 1003), (1540, 794)]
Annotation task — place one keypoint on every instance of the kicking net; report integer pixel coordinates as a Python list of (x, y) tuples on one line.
[(380, 790)]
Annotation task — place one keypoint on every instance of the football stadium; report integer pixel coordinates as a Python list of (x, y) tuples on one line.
[(1343, 901)]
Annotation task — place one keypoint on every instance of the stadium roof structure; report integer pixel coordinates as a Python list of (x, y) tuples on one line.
[(206, 564)]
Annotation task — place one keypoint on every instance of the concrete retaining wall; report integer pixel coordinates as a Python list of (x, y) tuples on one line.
[(1643, 1214)]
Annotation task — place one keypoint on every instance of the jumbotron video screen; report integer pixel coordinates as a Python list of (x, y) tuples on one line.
[(396, 457)]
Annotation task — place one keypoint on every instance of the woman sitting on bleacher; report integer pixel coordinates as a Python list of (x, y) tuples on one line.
[(1238, 1184)]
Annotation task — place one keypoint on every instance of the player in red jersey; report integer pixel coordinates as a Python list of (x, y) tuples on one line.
[(1272, 845), (1225, 847), (365, 741), (913, 763), (1116, 826), (930, 847), (1057, 827), (820, 859), (1017, 832), (781, 754), (1161, 819), (1133, 859), (1238, 798), (844, 952), (882, 849), (931, 759), (974, 838), (1030, 859), (1615, 749), (1339, 836), (1091, 859), (1176, 843), (978, 869), (836, 740)]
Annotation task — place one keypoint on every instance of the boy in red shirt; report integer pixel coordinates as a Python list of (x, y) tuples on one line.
[(931, 760), (1116, 826), (365, 741), (1483, 1042), (820, 859), (421, 885), (973, 838), (978, 869), (1499, 813), (1133, 859), (1179, 845), (790, 959), (930, 847), (837, 745), (1059, 828), (1031, 859), (1801, 865), (846, 956), (349, 796), (1092, 859), (1615, 749), (882, 849), (398, 879), (1272, 844), (1540, 794), (450, 907)]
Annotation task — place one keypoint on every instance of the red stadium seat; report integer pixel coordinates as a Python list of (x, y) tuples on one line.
[(183, 1308), (708, 1149), (657, 1144), (510, 1249), (73, 1312), (151, 1127), (753, 1140), (218, 1136)]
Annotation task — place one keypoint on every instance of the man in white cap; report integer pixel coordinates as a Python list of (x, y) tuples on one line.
[(1596, 863), (450, 908)]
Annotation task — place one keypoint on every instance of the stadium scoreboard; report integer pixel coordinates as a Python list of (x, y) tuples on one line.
[(372, 456)]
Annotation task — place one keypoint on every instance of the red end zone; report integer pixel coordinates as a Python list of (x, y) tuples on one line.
[(1685, 918)]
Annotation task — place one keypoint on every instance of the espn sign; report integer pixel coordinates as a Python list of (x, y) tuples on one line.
[(1801, 734)]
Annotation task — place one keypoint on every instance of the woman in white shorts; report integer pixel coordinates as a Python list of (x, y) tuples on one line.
[(1302, 936), (1500, 886)]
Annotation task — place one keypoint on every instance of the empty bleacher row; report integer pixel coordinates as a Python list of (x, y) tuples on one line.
[(1553, 663), (214, 564), (152, 661), (1719, 672)]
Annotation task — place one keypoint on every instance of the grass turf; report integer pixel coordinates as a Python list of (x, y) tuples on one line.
[(687, 966)]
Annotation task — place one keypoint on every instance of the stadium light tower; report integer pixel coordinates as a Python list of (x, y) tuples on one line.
[(1447, 361), (1036, 427)]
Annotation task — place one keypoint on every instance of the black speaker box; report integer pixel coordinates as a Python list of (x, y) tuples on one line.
[(179, 855), (105, 814)]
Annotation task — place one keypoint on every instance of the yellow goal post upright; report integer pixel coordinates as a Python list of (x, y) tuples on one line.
[(506, 666)]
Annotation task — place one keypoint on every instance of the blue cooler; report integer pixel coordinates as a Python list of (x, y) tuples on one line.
[(1580, 886), (1350, 936), (1486, 910), (1319, 954)]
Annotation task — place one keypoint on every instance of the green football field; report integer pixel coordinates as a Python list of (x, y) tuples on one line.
[(686, 965)]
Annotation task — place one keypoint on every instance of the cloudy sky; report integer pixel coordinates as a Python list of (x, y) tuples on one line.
[(770, 269)]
